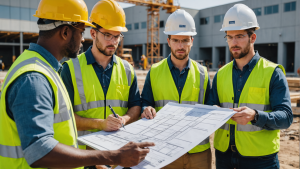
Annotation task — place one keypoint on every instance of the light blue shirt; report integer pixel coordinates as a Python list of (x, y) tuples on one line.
[(30, 101)]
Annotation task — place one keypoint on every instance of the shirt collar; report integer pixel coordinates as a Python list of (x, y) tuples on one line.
[(251, 63), (91, 59), (46, 55), (171, 66)]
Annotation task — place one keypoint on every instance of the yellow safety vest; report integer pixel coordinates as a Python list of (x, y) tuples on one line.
[(89, 98), (250, 140), (164, 90), (11, 153)]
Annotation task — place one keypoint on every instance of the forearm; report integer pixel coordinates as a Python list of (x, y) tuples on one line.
[(63, 156), (280, 119), (132, 115), (83, 123)]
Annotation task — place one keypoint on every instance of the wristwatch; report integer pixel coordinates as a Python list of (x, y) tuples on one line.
[(255, 117)]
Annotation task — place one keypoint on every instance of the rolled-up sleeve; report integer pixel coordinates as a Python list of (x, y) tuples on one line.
[(30, 102), (281, 116)]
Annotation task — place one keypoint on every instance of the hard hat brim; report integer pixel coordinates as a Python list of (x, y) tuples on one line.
[(181, 33), (236, 28), (116, 28)]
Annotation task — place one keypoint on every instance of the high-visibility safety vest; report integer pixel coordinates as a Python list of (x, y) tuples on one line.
[(11, 153), (164, 90), (250, 140), (89, 98)]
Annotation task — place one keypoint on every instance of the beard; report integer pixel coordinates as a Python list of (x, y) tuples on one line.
[(243, 52), (180, 56), (103, 50), (70, 49)]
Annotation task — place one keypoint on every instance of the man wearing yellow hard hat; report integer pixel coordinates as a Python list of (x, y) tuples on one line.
[(98, 79), (37, 126)]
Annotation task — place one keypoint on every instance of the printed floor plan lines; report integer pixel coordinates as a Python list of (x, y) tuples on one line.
[(175, 130)]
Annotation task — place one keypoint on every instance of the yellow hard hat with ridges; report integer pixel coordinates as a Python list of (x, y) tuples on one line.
[(109, 15), (63, 10)]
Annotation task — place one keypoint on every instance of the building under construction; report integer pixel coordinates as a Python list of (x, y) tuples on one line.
[(278, 40)]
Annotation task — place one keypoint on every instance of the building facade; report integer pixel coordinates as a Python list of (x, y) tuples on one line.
[(278, 39)]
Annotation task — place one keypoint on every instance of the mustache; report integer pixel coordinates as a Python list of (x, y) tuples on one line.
[(235, 47), (180, 50), (110, 46)]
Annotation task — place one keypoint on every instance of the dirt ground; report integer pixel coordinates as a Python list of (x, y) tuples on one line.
[(289, 147)]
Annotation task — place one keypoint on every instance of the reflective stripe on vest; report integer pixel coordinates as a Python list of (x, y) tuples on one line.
[(162, 103), (250, 140), (63, 114), (95, 104)]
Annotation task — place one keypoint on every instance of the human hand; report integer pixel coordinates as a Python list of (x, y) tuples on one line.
[(243, 115), (149, 113), (112, 123), (133, 153)]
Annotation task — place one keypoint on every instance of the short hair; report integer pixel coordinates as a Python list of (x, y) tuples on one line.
[(97, 26), (250, 31)]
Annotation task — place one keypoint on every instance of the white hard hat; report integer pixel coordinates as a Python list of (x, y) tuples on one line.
[(180, 23), (239, 17)]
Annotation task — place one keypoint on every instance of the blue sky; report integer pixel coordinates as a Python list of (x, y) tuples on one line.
[(194, 4)]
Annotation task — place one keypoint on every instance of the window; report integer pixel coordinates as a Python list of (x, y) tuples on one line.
[(204, 21), (219, 18), (291, 6), (33, 18), (144, 25), (25, 14), (161, 24), (4, 12), (136, 25), (257, 11), (128, 26), (15, 13), (271, 9)]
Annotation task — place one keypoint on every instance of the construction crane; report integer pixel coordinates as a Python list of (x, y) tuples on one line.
[(153, 46)]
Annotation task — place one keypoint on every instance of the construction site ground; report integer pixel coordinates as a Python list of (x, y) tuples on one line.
[(289, 140)]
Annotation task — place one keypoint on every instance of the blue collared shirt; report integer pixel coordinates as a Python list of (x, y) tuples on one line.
[(104, 76), (179, 80), (281, 116), (29, 102)]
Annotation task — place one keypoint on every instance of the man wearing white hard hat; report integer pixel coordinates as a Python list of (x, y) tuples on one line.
[(179, 79), (257, 90)]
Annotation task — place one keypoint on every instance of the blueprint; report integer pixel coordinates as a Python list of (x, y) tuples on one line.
[(175, 130)]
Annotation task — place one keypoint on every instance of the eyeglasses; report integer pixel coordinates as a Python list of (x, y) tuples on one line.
[(184, 42), (109, 37), (238, 38), (81, 30)]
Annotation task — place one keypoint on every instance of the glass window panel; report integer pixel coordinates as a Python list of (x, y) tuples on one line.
[(275, 9), (136, 25), (144, 25), (207, 20), (293, 6), (268, 10), (33, 18), (25, 14), (14, 13), (217, 18), (128, 26), (287, 7), (161, 24), (4, 12)]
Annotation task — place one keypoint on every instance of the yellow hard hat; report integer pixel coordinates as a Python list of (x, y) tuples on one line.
[(63, 10), (109, 15)]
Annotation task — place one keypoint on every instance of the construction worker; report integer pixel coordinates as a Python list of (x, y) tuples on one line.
[(37, 126), (257, 90), (179, 79), (98, 78)]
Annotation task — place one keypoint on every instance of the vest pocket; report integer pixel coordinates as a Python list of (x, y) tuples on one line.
[(256, 95)]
